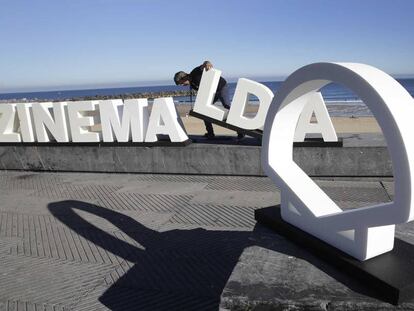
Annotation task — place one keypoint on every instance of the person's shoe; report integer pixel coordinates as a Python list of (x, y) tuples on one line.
[(240, 136), (209, 135)]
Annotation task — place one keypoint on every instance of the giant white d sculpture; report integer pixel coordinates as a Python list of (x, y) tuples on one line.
[(365, 232)]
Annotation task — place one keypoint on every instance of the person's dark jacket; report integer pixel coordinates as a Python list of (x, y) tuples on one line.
[(195, 78)]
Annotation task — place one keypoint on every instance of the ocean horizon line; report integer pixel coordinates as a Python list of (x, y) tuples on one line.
[(89, 88), (149, 83), (121, 85), (333, 94)]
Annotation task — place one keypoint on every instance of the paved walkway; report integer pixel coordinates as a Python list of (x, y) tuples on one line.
[(80, 241)]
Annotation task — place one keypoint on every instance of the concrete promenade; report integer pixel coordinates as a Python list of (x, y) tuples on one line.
[(89, 241)]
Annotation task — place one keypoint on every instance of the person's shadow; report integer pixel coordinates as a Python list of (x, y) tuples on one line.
[(176, 269)]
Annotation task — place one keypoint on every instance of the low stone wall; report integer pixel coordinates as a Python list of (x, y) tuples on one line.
[(361, 155)]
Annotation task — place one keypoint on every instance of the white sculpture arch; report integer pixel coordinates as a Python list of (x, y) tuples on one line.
[(365, 232)]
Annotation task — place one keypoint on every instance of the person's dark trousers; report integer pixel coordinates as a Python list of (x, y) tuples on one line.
[(209, 128), (223, 96)]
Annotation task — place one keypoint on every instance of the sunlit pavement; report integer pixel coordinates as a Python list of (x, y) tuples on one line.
[(83, 241)]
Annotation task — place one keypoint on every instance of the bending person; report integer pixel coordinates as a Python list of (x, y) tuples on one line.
[(222, 94)]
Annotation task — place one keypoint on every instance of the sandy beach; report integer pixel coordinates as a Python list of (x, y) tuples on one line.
[(195, 126), (342, 124)]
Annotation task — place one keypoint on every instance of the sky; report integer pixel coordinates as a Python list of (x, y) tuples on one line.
[(60, 44)]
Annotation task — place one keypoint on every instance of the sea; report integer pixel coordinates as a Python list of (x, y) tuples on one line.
[(339, 100)]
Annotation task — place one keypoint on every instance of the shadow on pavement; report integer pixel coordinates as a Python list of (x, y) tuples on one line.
[(178, 269)]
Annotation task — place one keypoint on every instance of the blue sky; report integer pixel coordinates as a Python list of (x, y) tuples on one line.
[(59, 44)]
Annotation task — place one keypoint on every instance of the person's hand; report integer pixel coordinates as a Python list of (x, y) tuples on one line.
[(207, 65)]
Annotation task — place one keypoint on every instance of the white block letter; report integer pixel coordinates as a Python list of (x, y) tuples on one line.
[(78, 121), (241, 97), (315, 105), (25, 117), (164, 120), (134, 116), (363, 232), (56, 125), (8, 124), (205, 95)]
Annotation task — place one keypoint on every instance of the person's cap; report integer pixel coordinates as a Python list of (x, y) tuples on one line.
[(179, 76)]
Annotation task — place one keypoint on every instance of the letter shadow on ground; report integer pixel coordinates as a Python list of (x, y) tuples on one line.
[(181, 269)]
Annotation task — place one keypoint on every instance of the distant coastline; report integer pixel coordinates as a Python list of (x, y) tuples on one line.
[(331, 92), (340, 100), (149, 95)]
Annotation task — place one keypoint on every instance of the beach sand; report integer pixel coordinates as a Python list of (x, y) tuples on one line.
[(195, 126), (341, 124)]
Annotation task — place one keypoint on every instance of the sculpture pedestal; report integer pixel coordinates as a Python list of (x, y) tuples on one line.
[(390, 274)]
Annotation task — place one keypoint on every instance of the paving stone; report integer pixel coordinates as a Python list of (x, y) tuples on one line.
[(85, 178), (175, 178), (23, 202), (84, 241), (10, 245), (255, 184), (355, 191), (18, 305), (169, 188), (236, 183), (144, 202), (238, 198), (36, 181), (45, 236), (40, 280), (74, 191), (215, 215)]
